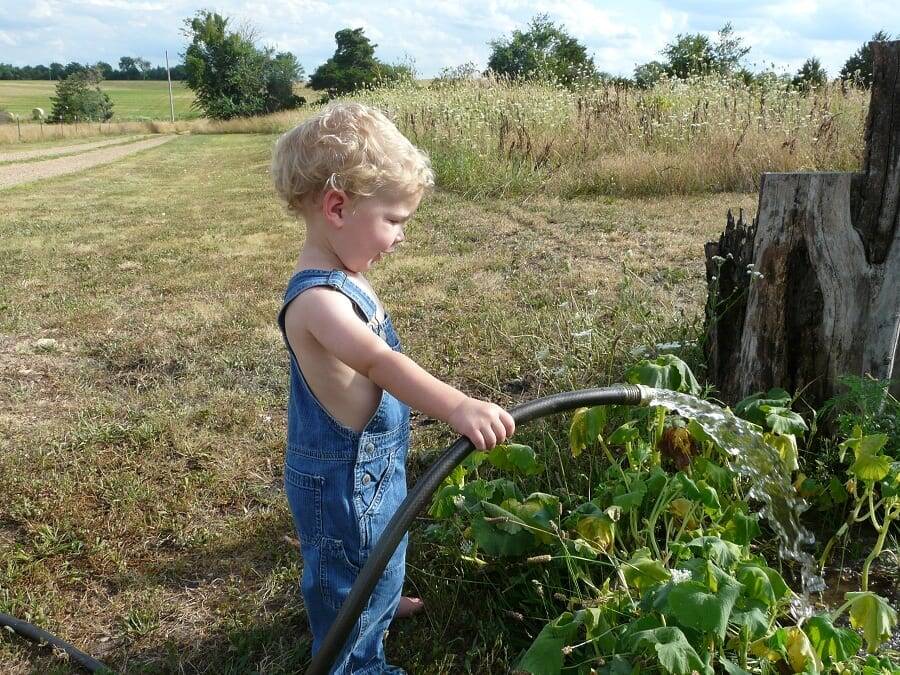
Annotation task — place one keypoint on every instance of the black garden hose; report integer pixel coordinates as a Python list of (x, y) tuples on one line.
[(420, 496), (32, 632), (416, 500)]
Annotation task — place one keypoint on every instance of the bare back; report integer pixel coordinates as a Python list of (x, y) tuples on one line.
[(348, 396)]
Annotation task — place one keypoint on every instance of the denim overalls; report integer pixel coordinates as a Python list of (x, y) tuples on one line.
[(343, 487)]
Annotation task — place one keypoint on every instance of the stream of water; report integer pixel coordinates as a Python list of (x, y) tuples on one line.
[(770, 483)]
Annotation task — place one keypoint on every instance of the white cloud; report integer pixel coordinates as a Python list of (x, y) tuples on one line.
[(438, 33)]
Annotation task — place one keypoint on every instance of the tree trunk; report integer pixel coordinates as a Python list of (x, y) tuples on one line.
[(828, 248)]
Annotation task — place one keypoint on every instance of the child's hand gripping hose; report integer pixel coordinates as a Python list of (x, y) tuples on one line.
[(416, 500), (420, 496)]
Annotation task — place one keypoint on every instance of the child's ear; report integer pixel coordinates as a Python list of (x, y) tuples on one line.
[(333, 204)]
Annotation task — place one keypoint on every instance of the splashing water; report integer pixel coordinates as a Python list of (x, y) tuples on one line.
[(755, 459)]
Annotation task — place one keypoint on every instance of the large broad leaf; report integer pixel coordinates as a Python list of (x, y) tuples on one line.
[(666, 371), (632, 496), (786, 445), (831, 644), (870, 467), (741, 528), (627, 433), (756, 584), (675, 653), (871, 444), (599, 629), (642, 572), (514, 457), (695, 606), (792, 646), (714, 474), (752, 616), (587, 426), (504, 535), (545, 656), (874, 616), (598, 529), (723, 553), (539, 510)]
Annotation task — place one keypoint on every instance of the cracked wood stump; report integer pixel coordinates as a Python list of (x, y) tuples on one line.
[(828, 248)]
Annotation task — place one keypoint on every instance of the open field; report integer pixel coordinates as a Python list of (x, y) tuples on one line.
[(131, 99), (140, 452)]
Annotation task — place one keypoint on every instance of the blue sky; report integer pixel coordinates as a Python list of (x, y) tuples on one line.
[(439, 33)]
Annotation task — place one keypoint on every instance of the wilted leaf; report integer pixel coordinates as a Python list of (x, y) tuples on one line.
[(666, 371), (599, 529), (786, 445), (587, 426), (642, 572), (874, 616)]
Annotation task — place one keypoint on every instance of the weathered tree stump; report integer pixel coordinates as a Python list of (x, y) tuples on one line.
[(821, 295)]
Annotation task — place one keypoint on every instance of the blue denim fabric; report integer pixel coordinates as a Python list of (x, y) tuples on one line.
[(343, 487)]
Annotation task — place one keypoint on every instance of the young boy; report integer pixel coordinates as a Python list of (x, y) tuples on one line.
[(355, 180)]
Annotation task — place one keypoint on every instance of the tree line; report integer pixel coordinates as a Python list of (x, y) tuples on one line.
[(233, 77), (130, 68)]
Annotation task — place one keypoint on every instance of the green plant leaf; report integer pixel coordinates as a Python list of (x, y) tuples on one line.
[(831, 644), (872, 614), (731, 668), (784, 421), (642, 572), (587, 426), (776, 584), (624, 434), (696, 607), (633, 497), (666, 371), (599, 629), (674, 652), (544, 656), (517, 458), (724, 553), (750, 407), (870, 467), (756, 584), (506, 537), (741, 528), (752, 616), (539, 510)]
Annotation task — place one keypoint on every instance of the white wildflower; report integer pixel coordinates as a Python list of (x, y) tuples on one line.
[(680, 576)]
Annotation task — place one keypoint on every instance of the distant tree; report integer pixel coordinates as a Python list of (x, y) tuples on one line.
[(56, 71), (8, 72), (543, 50), (810, 75), (72, 68), (859, 67), (352, 66), (229, 76), (729, 50), (79, 97), (284, 70), (133, 68), (648, 74), (104, 69), (695, 54)]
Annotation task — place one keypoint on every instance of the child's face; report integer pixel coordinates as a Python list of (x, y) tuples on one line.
[(372, 228)]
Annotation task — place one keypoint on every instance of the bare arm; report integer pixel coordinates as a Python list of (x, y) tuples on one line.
[(333, 323)]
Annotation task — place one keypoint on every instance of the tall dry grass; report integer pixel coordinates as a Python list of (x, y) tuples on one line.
[(496, 137)]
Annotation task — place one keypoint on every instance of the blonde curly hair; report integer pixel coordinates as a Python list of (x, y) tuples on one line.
[(350, 147)]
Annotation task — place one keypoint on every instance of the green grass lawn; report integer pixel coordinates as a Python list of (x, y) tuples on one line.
[(141, 452), (131, 99)]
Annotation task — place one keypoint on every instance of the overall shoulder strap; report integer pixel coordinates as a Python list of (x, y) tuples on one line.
[(305, 279)]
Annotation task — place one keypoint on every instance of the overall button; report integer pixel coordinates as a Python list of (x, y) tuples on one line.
[(370, 447), (366, 479)]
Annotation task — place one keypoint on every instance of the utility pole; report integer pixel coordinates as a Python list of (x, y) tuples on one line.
[(169, 78)]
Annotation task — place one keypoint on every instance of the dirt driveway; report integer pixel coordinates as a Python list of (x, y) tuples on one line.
[(15, 174)]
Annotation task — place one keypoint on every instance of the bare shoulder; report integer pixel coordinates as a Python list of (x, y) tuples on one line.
[(320, 303)]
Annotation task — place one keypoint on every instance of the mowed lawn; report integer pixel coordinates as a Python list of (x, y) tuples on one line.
[(131, 99), (143, 385)]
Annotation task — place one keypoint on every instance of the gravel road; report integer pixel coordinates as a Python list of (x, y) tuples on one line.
[(14, 174), (62, 149)]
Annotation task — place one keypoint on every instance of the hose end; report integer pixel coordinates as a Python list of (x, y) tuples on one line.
[(646, 393)]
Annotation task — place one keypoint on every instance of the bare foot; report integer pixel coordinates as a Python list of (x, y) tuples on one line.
[(408, 607)]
